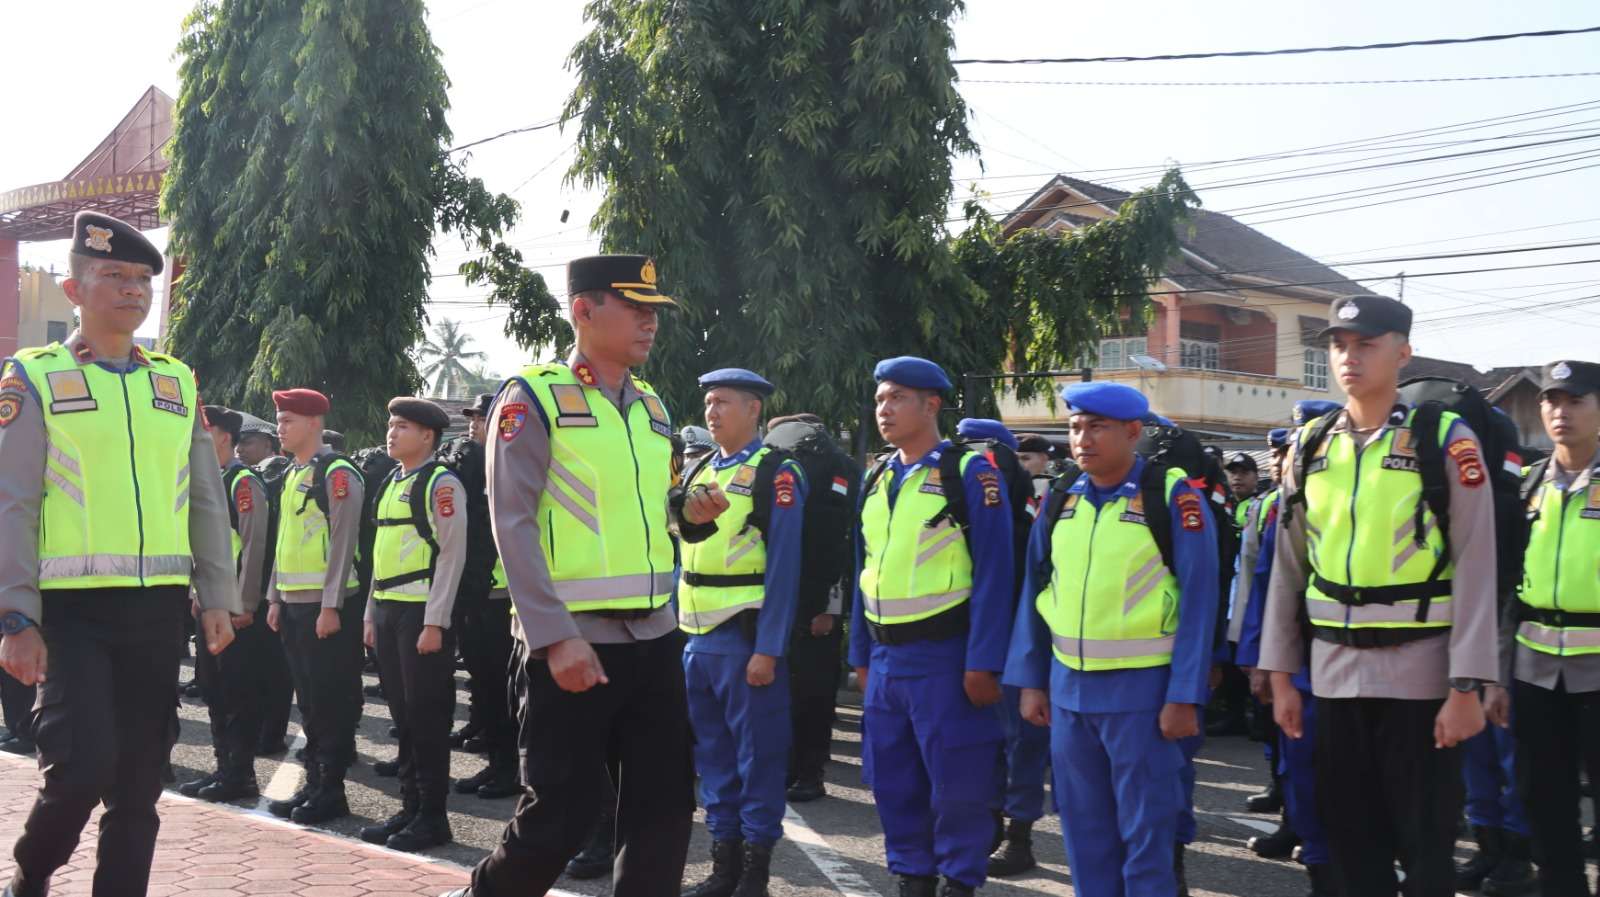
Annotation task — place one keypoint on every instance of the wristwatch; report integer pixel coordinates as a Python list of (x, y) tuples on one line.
[(13, 622), (1464, 684)]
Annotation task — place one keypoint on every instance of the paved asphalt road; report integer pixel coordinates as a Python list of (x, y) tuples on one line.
[(835, 845)]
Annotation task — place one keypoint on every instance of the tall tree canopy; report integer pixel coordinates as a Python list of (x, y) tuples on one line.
[(789, 164), (445, 356), (309, 175)]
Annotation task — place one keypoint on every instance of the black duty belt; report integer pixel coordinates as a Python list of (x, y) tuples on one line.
[(618, 614), (1356, 596), (1549, 616), (1368, 637), (724, 580), (945, 624)]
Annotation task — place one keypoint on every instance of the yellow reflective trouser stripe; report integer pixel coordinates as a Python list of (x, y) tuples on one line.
[(706, 620), (905, 607), (1556, 638), (1113, 649), (1439, 612), (608, 588), (65, 485), (84, 566)]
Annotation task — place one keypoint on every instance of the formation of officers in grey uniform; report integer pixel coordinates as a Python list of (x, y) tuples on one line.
[(643, 605)]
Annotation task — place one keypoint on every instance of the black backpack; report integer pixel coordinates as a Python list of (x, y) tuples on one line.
[(417, 518), (1153, 495), (374, 465), (1176, 447), (834, 482), (1019, 491), (1497, 435), (272, 471), (466, 459)]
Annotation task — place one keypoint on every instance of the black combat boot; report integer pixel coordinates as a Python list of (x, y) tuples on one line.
[(1470, 875), (386, 769), (328, 803), (1177, 868), (425, 831), (1279, 845), (1016, 854), (917, 886), (757, 869), (503, 780), (231, 786), (1268, 801), (379, 834), (1514, 874), (192, 789), (595, 859), (953, 888), (285, 808), (727, 864), (1323, 883), (470, 784)]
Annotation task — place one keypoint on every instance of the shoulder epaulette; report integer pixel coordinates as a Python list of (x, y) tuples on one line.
[(162, 357), (37, 352), (549, 368)]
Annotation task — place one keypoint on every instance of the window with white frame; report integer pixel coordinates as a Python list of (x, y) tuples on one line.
[(1202, 354), (1315, 374), (1115, 353)]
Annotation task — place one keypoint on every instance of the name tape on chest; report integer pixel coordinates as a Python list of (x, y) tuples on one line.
[(1135, 509), (659, 421), (572, 406), (933, 483), (69, 392), (743, 482), (1070, 506)]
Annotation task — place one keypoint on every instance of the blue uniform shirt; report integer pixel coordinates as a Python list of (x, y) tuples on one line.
[(984, 646), (1030, 663), (1255, 608), (778, 605)]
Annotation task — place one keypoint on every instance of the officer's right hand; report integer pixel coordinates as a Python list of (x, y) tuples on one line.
[(327, 623), (575, 666), (1286, 707), (24, 656), (1035, 706), (272, 616), (703, 505), (1261, 685), (861, 680), (369, 634), (1497, 706)]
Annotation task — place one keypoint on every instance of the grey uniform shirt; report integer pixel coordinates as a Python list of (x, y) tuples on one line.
[(450, 531), (23, 444), (1249, 550), (1419, 670), (249, 500), (1578, 672), (344, 532), (518, 468)]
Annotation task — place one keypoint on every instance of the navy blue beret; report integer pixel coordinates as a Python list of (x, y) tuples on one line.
[(909, 370), (1278, 438), (1153, 419), (1113, 400), (986, 428), (1307, 410), (737, 378)]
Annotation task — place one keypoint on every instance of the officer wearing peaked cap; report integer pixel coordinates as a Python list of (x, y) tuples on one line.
[(1114, 654), (94, 613), (579, 452), (737, 599), (928, 636)]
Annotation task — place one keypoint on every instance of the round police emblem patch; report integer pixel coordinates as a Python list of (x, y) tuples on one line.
[(1561, 371), (1349, 312)]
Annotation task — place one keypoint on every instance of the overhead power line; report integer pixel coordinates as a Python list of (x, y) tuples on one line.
[(1332, 83), (538, 127), (1294, 51)]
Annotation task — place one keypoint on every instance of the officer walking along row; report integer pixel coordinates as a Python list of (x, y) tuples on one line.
[(112, 506)]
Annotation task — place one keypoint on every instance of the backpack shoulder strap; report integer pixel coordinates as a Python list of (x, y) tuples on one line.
[(230, 479), (1157, 511), (955, 493), (874, 474), (1304, 454), (319, 480), (1427, 422), (1532, 479), (1055, 499), (761, 490), (695, 466), (419, 509)]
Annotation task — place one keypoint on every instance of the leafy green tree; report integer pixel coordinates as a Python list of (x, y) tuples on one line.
[(446, 355), (309, 178)]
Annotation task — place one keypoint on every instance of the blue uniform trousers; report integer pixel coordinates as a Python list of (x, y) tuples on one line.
[(931, 759), (741, 745), (1300, 785), (1488, 768), (1190, 747), (1026, 755), (1119, 786)]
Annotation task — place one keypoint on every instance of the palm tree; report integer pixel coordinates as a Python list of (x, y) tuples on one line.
[(447, 371)]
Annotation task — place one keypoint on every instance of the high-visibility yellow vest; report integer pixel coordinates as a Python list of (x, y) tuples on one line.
[(1263, 511), (1241, 513), (230, 484), (603, 513), (498, 580), (1561, 569), (1111, 603), (912, 571), (1361, 530), (737, 548), (403, 558), (301, 558), (115, 511)]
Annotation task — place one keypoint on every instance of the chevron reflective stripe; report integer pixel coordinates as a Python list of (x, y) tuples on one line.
[(1556, 638), (609, 588), (67, 462), (889, 609), (1333, 613), (751, 538), (932, 541), (1143, 582), (65, 485), (1113, 649), (126, 565), (705, 621)]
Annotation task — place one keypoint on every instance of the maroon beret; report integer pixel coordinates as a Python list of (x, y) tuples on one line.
[(308, 402)]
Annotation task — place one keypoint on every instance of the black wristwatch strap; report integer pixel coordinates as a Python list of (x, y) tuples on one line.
[(13, 622), (1465, 685)]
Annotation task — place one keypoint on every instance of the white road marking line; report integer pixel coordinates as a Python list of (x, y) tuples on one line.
[(828, 861), (286, 780), (1260, 825)]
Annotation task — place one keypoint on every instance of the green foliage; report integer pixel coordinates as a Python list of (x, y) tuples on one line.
[(447, 354), (308, 178)]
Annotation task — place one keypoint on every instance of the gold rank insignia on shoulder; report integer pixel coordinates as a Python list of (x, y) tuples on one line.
[(69, 392), (168, 394), (743, 481), (1591, 509), (584, 373), (572, 406)]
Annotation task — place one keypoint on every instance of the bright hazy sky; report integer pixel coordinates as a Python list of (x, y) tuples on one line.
[(74, 69)]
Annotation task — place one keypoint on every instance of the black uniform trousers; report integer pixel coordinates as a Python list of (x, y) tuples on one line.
[(327, 682), (234, 686), (277, 685), (421, 690), (104, 722), (642, 716), (814, 670), (1386, 794), (16, 705), (486, 647), (1557, 735)]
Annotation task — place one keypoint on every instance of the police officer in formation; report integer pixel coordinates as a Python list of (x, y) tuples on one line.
[(314, 602), (418, 555), (1112, 647), (736, 601), (98, 558), (234, 683), (579, 473), (1403, 623), (928, 637)]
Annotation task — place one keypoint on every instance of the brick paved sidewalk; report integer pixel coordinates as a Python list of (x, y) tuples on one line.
[(207, 850)]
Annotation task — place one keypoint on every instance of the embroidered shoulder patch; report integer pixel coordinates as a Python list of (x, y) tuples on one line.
[(783, 489), (339, 483), (10, 408), (1190, 514), (444, 501), (512, 418), (1465, 453), (990, 481), (242, 498)]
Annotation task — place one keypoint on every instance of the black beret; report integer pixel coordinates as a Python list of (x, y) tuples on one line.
[(480, 407), (420, 411), (334, 439), (632, 276), (225, 419), (1033, 442), (100, 236)]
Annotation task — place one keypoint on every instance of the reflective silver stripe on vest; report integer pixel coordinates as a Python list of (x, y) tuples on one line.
[(607, 588), (125, 565), (421, 587), (65, 485), (1556, 638), (66, 461), (932, 541), (1332, 612), (905, 607), (1155, 571), (566, 501), (577, 485), (710, 619), (739, 549), (1113, 649), (301, 579)]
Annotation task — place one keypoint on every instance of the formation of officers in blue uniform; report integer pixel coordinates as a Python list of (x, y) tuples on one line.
[(650, 603)]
